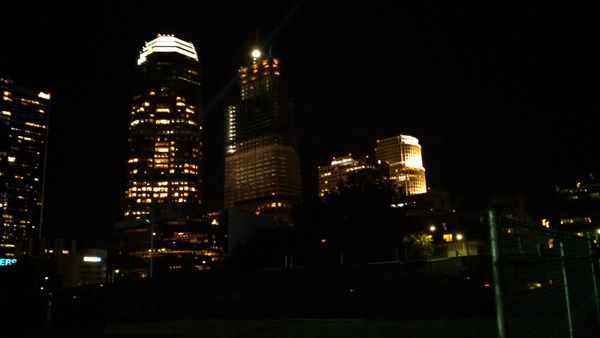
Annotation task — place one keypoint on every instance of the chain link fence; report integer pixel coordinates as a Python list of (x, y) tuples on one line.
[(545, 281)]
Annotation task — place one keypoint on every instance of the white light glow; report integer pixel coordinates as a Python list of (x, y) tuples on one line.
[(413, 162), (256, 54), (167, 44), (44, 95), (92, 259), (409, 140)]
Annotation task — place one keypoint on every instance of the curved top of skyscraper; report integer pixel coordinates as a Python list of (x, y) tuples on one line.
[(167, 43)]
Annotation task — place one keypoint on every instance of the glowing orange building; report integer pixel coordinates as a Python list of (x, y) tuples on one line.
[(402, 153)]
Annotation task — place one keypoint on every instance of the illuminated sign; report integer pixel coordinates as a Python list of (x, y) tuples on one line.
[(8, 261), (92, 259)]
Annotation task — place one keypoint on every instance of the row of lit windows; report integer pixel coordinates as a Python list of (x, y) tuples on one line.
[(160, 183), (576, 220), (149, 200), (162, 188), (161, 195), (163, 121)]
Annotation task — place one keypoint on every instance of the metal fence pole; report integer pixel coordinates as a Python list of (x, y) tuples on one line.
[(566, 288), (495, 248), (151, 273), (591, 250)]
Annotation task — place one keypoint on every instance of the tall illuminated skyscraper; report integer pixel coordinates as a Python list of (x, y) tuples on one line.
[(164, 164), (165, 131), (24, 117), (262, 166), (402, 153)]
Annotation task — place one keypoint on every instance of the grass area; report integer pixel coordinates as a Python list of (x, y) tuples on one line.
[(293, 328)]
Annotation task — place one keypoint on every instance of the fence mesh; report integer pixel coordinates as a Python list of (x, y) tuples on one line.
[(548, 282)]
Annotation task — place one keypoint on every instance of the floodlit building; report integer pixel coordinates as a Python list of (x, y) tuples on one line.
[(262, 167), (23, 139), (403, 155), (330, 176)]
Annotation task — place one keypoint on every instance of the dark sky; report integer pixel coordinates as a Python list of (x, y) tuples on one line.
[(502, 98)]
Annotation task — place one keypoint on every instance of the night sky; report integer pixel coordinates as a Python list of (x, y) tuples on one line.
[(502, 99)]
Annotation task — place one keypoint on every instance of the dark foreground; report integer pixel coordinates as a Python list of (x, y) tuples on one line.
[(293, 328)]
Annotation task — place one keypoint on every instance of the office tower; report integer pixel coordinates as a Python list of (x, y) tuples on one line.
[(24, 116), (262, 167), (330, 176), (164, 162), (403, 155), (164, 144), (577, 207)]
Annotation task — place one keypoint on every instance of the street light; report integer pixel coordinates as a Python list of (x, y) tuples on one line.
[(149, 220), (432, 228), (459, 237)]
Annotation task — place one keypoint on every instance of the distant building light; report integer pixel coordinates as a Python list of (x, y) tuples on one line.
[(92, 259), (545, 223), (44, 95)]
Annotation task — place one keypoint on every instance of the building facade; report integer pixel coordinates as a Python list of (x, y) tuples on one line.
[(262, 166), (24, 118), (578, 206), (330, 176), (402, 153), (165, 131), (164, 159)]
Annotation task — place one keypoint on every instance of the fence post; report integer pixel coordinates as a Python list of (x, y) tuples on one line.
[(566, 288), (495, 248), (591, 250)]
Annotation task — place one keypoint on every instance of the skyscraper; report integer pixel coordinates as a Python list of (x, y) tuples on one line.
[(165, 131), (164, 163), (403, 155), (330, 176), (24, 117), (262, 166)]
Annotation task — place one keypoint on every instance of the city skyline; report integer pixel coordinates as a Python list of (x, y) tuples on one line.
[(490, 113)]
